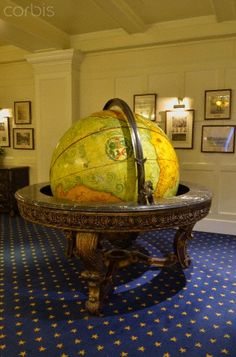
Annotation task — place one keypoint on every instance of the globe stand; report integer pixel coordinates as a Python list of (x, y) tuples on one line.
[(101, 265), (88, 225)]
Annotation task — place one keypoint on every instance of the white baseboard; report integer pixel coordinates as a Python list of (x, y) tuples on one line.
[(216, 226)]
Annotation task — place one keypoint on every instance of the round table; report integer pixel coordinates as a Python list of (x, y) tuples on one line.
[(86, 226)]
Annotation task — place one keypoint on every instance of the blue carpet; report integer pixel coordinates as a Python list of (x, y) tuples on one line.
[(153, 312)]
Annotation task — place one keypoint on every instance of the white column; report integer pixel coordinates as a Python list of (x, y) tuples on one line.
[(56, 75)]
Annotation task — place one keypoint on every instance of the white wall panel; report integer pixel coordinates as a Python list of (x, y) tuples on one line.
[(51, 109), (94, 93), (126, 87), (203, 174), (227, 192), (196, 82), (166, 85), (230, 82)]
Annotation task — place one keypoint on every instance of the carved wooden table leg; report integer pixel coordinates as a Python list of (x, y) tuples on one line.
[(95, 269), (100, 266), (182, 236)]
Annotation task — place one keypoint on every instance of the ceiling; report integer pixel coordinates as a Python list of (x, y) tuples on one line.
[(91, 25)]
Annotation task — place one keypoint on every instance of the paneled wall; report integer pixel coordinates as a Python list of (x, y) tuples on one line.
[(17, 84), (50, 81), (184, 70)]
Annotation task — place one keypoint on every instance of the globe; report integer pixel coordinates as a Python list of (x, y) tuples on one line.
[(94, 161)]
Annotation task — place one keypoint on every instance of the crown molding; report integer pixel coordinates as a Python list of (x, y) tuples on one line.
[(11, 54), (69, 57)]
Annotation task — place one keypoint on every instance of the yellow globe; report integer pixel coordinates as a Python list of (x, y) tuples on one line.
[(94, 160)]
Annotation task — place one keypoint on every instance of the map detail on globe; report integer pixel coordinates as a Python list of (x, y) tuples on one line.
[(94, 160)]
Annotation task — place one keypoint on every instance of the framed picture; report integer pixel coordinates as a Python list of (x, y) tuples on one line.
[(179, 128), (4, 132), (145, 105), (218, 138), (23, 138), (22, 112), (218, 104)]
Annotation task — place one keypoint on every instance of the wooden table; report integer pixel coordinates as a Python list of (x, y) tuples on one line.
[(86, 226)]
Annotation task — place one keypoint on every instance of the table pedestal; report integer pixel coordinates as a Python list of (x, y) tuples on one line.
[(87, 226), (101, 264)]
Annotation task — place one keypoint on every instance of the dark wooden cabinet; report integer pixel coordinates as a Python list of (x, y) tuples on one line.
[(11, 179)]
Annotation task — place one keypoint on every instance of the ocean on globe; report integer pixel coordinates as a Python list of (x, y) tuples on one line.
[(94, 160)]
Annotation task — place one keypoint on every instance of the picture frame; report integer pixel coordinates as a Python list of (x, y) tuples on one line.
[(218, 138), (218, 104), (145, 105), (22, 112), (23, 138), (179, 126), (4, 132)]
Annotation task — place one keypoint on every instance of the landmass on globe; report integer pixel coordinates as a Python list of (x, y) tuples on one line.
[(94, 160)]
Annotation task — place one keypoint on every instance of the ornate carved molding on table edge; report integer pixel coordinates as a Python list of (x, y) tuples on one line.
[(136, 221)]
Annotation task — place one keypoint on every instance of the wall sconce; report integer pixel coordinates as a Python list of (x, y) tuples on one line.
[(5, 113), (180, 104)]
